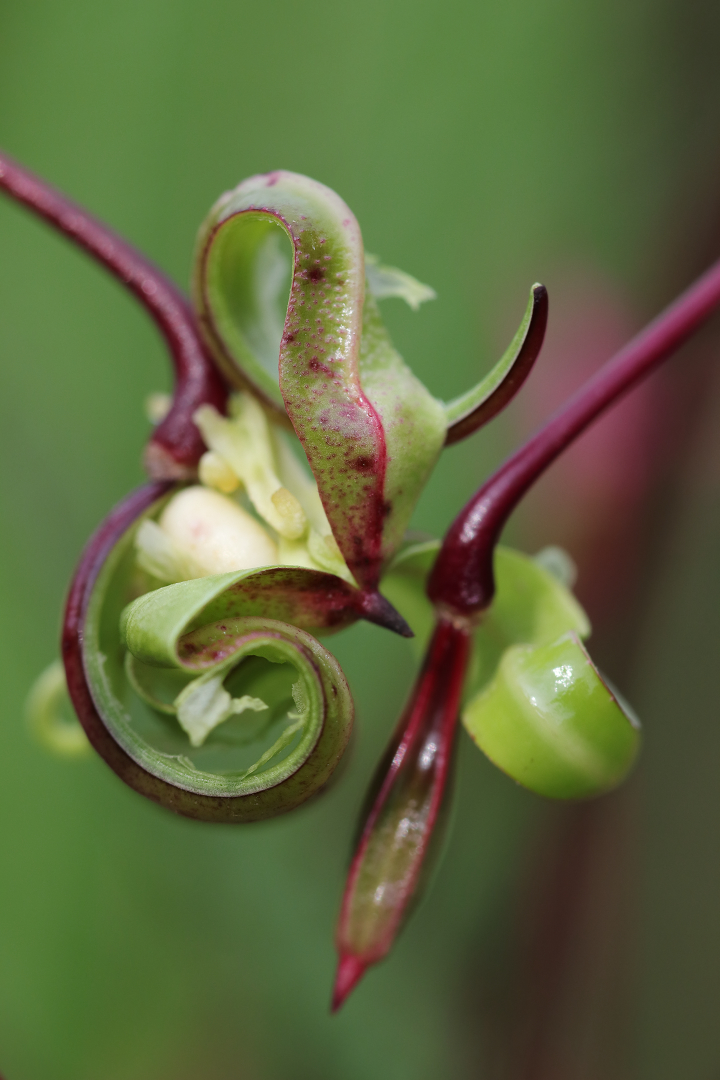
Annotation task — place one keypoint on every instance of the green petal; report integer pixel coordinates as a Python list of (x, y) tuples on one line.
[(371, 431), (530, 607), (473, 409), (550, 722), (254, 764), (309, 599)]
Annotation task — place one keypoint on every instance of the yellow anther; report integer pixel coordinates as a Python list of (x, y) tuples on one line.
[(215, 472), (291, 512)]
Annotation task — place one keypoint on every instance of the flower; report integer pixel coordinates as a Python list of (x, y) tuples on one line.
[(284, 473)]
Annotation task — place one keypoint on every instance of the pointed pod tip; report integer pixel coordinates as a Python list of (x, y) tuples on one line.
[(349, 973), (376, 609)]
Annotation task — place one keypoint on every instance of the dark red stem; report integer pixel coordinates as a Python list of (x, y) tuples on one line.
[(176, 445), (462, 579)]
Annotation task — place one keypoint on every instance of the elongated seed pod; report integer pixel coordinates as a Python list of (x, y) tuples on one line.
[(387, 868)]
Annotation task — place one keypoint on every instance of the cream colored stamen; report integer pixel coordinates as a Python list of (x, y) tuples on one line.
[(216, 533), (215, 473)]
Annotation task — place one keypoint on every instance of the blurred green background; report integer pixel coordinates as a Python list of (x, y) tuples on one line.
[(482, 147)]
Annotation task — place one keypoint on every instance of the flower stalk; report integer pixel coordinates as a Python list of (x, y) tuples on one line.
[(176, 445)]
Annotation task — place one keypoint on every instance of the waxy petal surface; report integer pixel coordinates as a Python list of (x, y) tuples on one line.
[(370, 430)]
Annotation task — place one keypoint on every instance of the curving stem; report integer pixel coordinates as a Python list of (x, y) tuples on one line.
[(176, 444), (462, 580)]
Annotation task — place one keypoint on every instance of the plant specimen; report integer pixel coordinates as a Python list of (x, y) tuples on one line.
[(283, 474)]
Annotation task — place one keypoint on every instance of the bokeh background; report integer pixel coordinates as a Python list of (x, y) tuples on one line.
[(483, 146)]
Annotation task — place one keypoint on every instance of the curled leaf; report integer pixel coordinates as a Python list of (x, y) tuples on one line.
[(473, 409)]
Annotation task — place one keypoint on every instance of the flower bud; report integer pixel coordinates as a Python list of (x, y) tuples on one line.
[(215, 532)]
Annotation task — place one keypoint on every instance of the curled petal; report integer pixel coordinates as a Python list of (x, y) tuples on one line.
[(254, 766), (370, 430), (550, 721), (531, 607), (475, 408)]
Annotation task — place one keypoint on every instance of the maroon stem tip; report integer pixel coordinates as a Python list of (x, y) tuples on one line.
[(176, 444)]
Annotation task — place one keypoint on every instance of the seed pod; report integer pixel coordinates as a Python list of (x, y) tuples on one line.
[(389, 864)]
